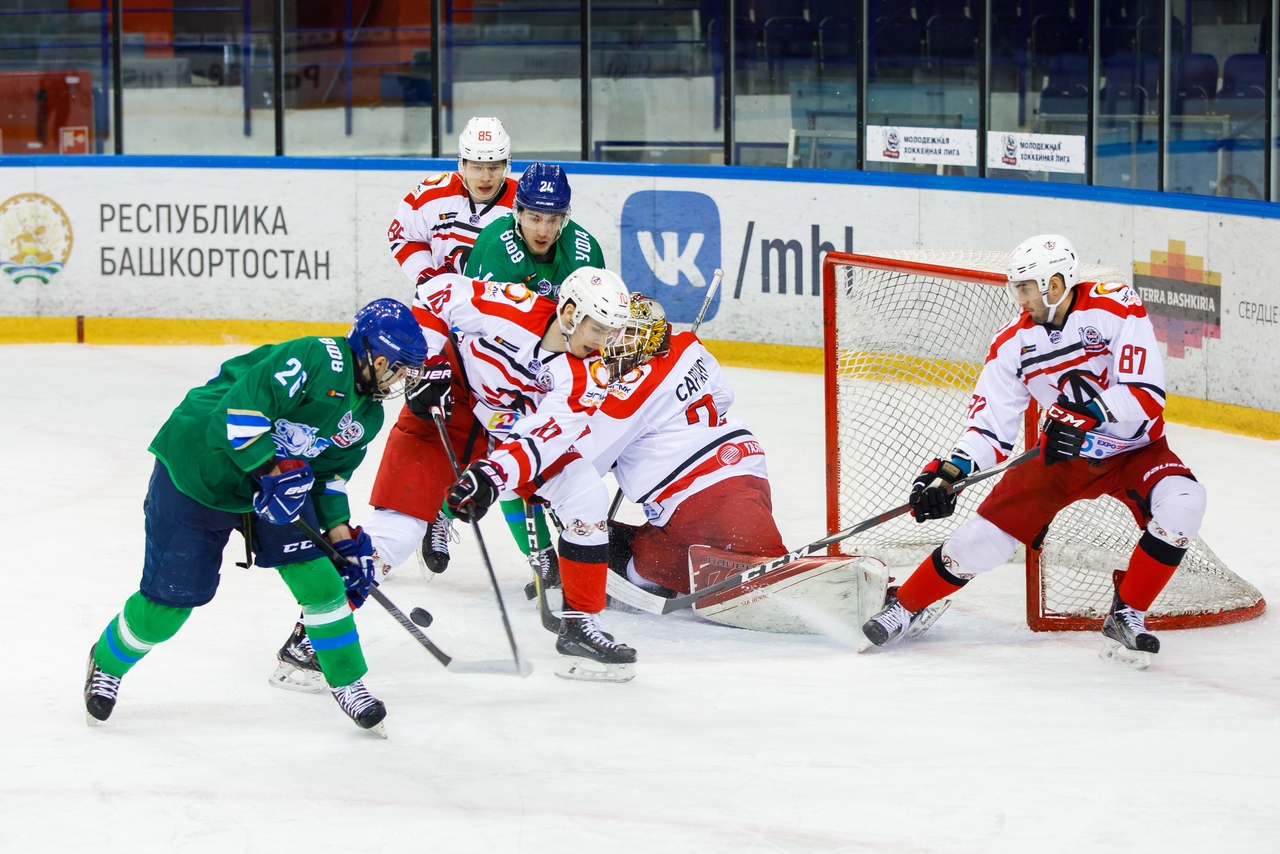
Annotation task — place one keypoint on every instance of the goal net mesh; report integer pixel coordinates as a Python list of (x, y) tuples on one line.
[(909, 332)]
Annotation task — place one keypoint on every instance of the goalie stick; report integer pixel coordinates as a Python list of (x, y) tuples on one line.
[(449, 662), (716, 278), (437, 415), (623, 590)]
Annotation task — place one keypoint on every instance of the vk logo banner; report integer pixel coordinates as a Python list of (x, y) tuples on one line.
[(670, 249)]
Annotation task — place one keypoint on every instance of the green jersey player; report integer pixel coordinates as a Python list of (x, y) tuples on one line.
[(536, 244), (271, 439)]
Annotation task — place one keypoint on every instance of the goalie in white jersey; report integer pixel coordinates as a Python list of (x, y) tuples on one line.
[(1087, 353), (437, 223), (666, 433)]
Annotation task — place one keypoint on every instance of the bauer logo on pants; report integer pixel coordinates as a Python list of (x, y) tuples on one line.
[(670, 249)]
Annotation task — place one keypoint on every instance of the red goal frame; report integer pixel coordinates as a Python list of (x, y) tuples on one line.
[(1037, 619)]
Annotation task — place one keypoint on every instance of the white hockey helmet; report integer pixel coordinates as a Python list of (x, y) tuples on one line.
[(484, 140), (1039, 259), (596, 293)]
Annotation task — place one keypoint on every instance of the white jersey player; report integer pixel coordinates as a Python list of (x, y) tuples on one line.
[(1087, 353), (666, 433), (437, 223), (525, 361)]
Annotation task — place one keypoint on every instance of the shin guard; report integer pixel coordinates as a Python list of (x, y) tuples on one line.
[(1151, 566), (930, 582)]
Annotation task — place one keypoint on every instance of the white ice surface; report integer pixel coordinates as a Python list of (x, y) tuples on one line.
[(980, 737)]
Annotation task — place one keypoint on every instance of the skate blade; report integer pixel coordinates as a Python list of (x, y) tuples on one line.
[(91, 720), (1134, 659), (379, 729), (291, 678), (580, 669), (928, 617)]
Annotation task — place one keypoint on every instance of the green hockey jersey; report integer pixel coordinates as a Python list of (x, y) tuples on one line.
[(296, 399), (501, 255)]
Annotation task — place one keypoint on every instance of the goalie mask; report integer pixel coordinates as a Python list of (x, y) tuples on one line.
[(386, 328), (1039, 259), (646, 334)]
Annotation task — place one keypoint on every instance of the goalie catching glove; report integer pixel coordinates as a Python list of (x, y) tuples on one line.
[(931, 495), (279, 497), (432, 390), (470, 498), (1065, 426), (360, 570)]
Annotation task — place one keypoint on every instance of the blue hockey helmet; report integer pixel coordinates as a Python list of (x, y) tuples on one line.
[(387, 328), (544, 189)]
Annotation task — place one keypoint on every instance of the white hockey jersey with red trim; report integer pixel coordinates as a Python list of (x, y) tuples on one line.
[(666, 427), (1106, 350), (437, 220), (535, 400)]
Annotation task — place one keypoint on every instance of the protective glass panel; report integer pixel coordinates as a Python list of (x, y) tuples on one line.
[(655, 85)]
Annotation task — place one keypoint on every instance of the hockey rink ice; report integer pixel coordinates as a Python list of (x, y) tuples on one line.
[(979, 737)]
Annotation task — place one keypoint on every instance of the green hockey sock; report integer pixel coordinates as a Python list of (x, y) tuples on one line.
[(331, 626), (139, 626), (513, 512)]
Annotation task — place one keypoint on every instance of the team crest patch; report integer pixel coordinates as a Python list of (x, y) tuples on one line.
[(475, 219), (543, 287), (299, 440), (546, 381), (1092, 340), (501, 422), (349, 432), (1055, 337)]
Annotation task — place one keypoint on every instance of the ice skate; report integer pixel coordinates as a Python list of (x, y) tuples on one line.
[(362, 707), (894, 623), (434, 551), (100, 690), (590, 654), (548, 571), (1126, 640), (297, 668)]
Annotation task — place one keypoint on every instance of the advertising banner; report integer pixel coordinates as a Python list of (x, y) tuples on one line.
[(1035, 152), (942, 146), (311, 245)]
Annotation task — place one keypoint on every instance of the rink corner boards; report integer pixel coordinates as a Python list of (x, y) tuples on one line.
[(777, 357)]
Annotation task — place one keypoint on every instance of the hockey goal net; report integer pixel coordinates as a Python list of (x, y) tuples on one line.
[(905, 335)]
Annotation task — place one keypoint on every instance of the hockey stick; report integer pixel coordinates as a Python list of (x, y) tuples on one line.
[(632, 595), (550, 621), (378, 596), (716, 278), (449, 662), (437, 415)]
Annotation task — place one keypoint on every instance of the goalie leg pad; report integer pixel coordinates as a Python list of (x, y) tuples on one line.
[(817, 595)]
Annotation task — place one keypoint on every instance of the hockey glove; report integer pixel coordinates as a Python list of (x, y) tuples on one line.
[(431, 272), (360, 571), (470, 498), (1065, 426), (280, 496), (434, 389), (931, 495)]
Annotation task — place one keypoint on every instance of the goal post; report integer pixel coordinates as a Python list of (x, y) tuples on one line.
[(905, 335)]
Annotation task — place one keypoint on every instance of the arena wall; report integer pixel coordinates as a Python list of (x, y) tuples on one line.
[(171, 250)]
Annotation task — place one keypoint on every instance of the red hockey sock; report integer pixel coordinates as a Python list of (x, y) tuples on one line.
[(928, 584), (583, 584), (1150, 568)]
